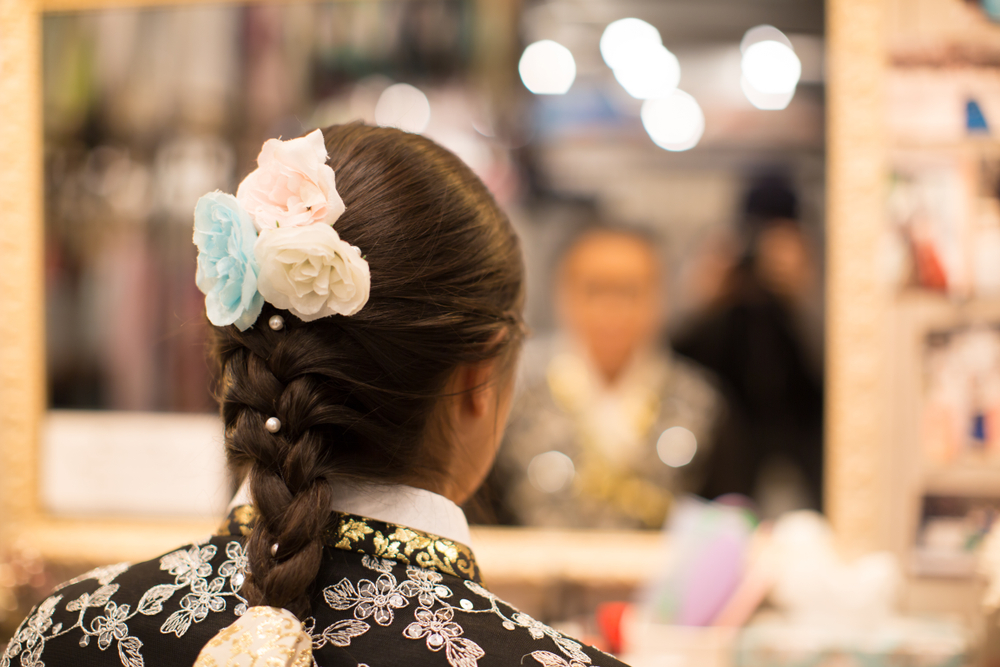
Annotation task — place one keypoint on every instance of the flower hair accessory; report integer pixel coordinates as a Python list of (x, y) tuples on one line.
[(275, 242)]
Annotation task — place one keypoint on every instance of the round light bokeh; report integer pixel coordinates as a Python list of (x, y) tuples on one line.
[(771, 67), (763, 33), (551, 472), (765, 101), (625, 40), (547, 68), (403, 106), (674, 123), (677, 446), (656, 73)]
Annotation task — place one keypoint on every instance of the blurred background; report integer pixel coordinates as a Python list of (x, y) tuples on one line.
[(664, 164), (146, 109)]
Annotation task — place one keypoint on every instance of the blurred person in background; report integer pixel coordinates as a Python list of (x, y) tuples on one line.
[(759, 328), (608, 426)]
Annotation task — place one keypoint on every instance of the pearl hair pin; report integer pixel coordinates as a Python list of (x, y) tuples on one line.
[(277, 322), (273, 424), (274, 550)]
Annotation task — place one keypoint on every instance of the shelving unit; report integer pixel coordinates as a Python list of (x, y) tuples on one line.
[(940, 54), (934, 583)]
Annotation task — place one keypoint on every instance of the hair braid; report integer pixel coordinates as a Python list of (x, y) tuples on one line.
[(286, 471), (355, 394)]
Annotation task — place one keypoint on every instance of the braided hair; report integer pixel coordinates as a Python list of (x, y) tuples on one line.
[(355, 394)]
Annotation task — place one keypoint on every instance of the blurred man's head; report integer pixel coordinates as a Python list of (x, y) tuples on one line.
[(770, 197), (609, 295), (781, 258)]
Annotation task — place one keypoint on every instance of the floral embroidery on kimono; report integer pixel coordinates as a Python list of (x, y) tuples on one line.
[(369, 602), (109, 623)]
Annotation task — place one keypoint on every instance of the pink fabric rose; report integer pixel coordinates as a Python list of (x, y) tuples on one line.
[(292, 185)]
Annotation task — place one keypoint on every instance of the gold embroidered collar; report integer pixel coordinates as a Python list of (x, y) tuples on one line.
[(350, 532)]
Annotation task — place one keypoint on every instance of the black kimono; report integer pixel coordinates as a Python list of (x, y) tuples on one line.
[(385, 595)]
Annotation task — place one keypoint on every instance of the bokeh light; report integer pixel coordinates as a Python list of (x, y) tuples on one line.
[(763, 33), (626, 40), (404, 106), (765, 101), (674, 123), (655, 74), (771, 67), (547, 68), (677, 446), (551, 472), (635, 53)]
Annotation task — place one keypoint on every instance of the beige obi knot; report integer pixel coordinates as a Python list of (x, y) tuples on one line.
[(262, 637)]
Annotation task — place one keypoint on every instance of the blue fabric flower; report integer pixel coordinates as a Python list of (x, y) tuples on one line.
[(227, 269)]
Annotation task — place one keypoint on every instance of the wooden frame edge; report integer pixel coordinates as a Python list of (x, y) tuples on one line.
[(856, 441), (22, 327)]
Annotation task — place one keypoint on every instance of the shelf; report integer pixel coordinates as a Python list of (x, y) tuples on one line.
[(988, 145), (964, 480), (936, 306)]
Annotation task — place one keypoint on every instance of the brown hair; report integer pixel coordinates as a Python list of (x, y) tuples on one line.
[(355, 394)]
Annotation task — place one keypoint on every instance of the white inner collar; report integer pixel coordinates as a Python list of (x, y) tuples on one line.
[(408, 506)]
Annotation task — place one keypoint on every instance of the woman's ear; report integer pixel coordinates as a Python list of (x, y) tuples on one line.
[(477, 387), (468, 429)]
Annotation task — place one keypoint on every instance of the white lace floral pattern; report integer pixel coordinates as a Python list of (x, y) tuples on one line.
[(197, 589), (549, 659), (104, 575), (433, 618), (191, 569)]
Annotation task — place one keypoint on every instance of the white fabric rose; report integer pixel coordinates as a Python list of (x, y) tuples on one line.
[(310, 272), (292, 185)]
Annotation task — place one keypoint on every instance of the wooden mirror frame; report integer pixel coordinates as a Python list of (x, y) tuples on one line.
[(856, 449)]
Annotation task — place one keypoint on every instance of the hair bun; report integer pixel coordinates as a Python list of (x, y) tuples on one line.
[(261, 636)]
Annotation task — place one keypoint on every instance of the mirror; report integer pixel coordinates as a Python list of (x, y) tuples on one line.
[(145, 110), (853, 164)]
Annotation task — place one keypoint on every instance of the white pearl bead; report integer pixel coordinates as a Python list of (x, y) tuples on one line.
[(277, 322), (274, 549), (273, 424)]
